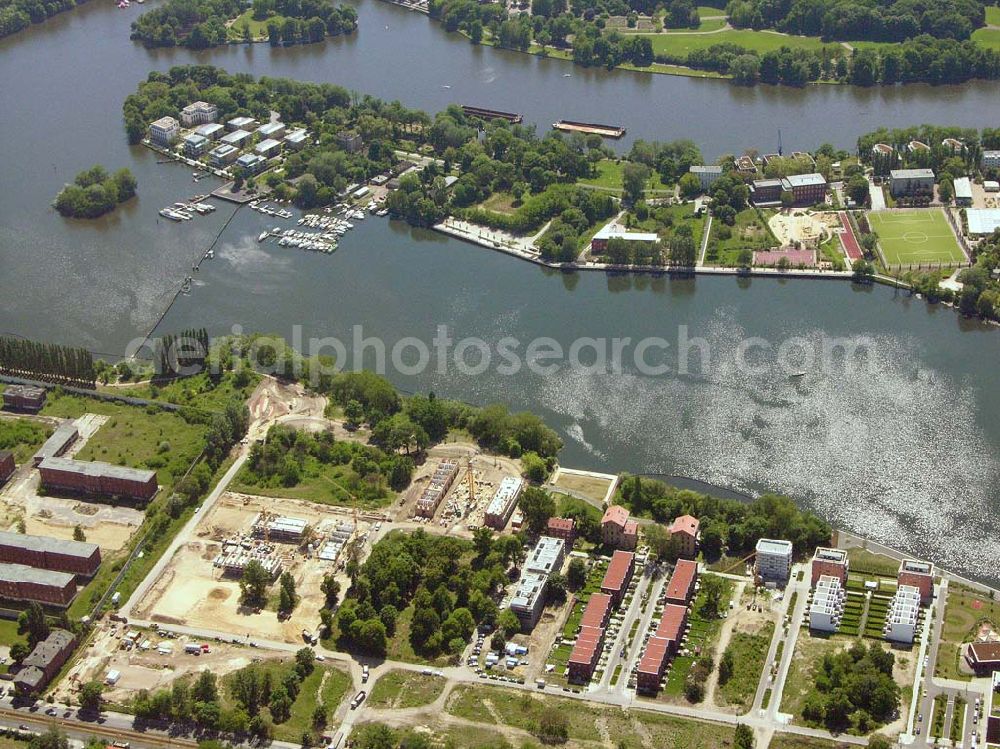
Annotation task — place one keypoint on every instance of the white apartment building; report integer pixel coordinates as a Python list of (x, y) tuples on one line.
[(901, 621), (199, 113), (827, 606), (774, 560)]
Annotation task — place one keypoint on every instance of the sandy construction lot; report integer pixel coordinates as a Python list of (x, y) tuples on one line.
[(799, 226), (193, 592)]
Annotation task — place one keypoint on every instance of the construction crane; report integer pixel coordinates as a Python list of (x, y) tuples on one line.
[(472, 480)]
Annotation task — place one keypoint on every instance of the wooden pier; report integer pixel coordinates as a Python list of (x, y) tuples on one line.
[(590, 128)]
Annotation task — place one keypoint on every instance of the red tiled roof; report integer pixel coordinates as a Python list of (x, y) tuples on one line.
[(671, 625), (654, 656), (596, 610), (614, 578), (615, 514), (588, 643), (685, 524), (631, 528), (562, 524), (985, 652), (683, 578)]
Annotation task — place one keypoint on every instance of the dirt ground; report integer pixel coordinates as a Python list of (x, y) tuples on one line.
[(194, 593), (146, 669), (107, 526), (593, 487), (801, 226)]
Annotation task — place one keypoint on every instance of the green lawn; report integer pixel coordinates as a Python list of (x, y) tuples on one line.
[(749, 232), (609, 177), (498, 706), (321, 483), (993, 15), (987, 37), (257, 28), (787, 741), (679, 45), (748, 652), (808, 656), (499, 202), (23, 437), (401, 689), (963, 612), (198, 391), (865, 561), (914, 236), (133, 436)]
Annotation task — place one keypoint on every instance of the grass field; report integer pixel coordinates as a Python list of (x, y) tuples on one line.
[(912, 237), (609, 177), (23, 437), (258, 29), (964, 610), (748, 652), (988, 37), (992, 15), (679, 45), (401, 689)]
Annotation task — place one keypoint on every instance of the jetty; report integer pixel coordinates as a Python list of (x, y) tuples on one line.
[(492, 114), (590, 128)]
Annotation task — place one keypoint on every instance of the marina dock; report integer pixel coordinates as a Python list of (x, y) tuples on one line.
[(590, 128), (492, 114)]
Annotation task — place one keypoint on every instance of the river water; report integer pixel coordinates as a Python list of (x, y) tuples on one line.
[(906, 451)]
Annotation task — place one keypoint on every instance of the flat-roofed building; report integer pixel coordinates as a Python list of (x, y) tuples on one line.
[(904, 612), (251, 163), (44, 662), (100, 479), (164, 131), (684, 530), (432, 494), (268, 148), (24, 398), (199, 113), (275, 130), (806, 189), (606, 233), (297, 139), (529, 599), (617, 531), (992, 712), (618, 576), (212, 131), (585, 655), (908, 182), (237, 138), (963, 191), (241, 123), (707, 174), (765, 192), (773, 560), (223, 155), (195, 145), (504, 501), (830, 562), (19, 582), (990, 160), (660, 647), (76, 557), (350, 141), (7, 466), (547, 555), (58, 442), (982, 221), (827, 606), (564, 528), (680, 587), (918, 574)]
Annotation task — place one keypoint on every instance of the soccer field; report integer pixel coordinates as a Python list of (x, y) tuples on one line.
[(914, 237)]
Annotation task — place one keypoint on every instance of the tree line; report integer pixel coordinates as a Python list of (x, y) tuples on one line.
[(51, 362), (16, 15), (94, 192)]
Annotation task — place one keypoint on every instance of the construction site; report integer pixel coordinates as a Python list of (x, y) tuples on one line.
[(200, 587)]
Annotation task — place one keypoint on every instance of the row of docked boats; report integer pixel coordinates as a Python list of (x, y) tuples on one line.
[(180, 211), (267, 210)]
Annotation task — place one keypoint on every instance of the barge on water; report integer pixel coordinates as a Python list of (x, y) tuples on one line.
[(590, 128), (492, 114)]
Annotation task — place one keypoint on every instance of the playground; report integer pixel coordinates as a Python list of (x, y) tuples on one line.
[(919, 236)]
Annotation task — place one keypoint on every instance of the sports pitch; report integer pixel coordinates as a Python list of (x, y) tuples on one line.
[(916, 236)]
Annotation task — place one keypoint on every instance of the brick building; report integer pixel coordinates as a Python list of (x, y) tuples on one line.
[(660, 647), (564, 528), (6, 465), (590, 639), (44, 662), (685, 530), (24, 398), (74, 557), (618, 576), (18, 582), (617, 530), (829, 562), (983, 657), (102, 479), (920, 575), (681, 586)]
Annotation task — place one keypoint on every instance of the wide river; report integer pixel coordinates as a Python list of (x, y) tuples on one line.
[(906, 450)]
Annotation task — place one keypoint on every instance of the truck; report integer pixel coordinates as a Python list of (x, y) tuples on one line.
[(193, 648)]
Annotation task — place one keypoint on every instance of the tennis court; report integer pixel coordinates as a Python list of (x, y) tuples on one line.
[(916, 236)]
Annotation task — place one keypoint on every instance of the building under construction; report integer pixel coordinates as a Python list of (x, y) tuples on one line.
[(433, 493), (235, 558), (277, 528)]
